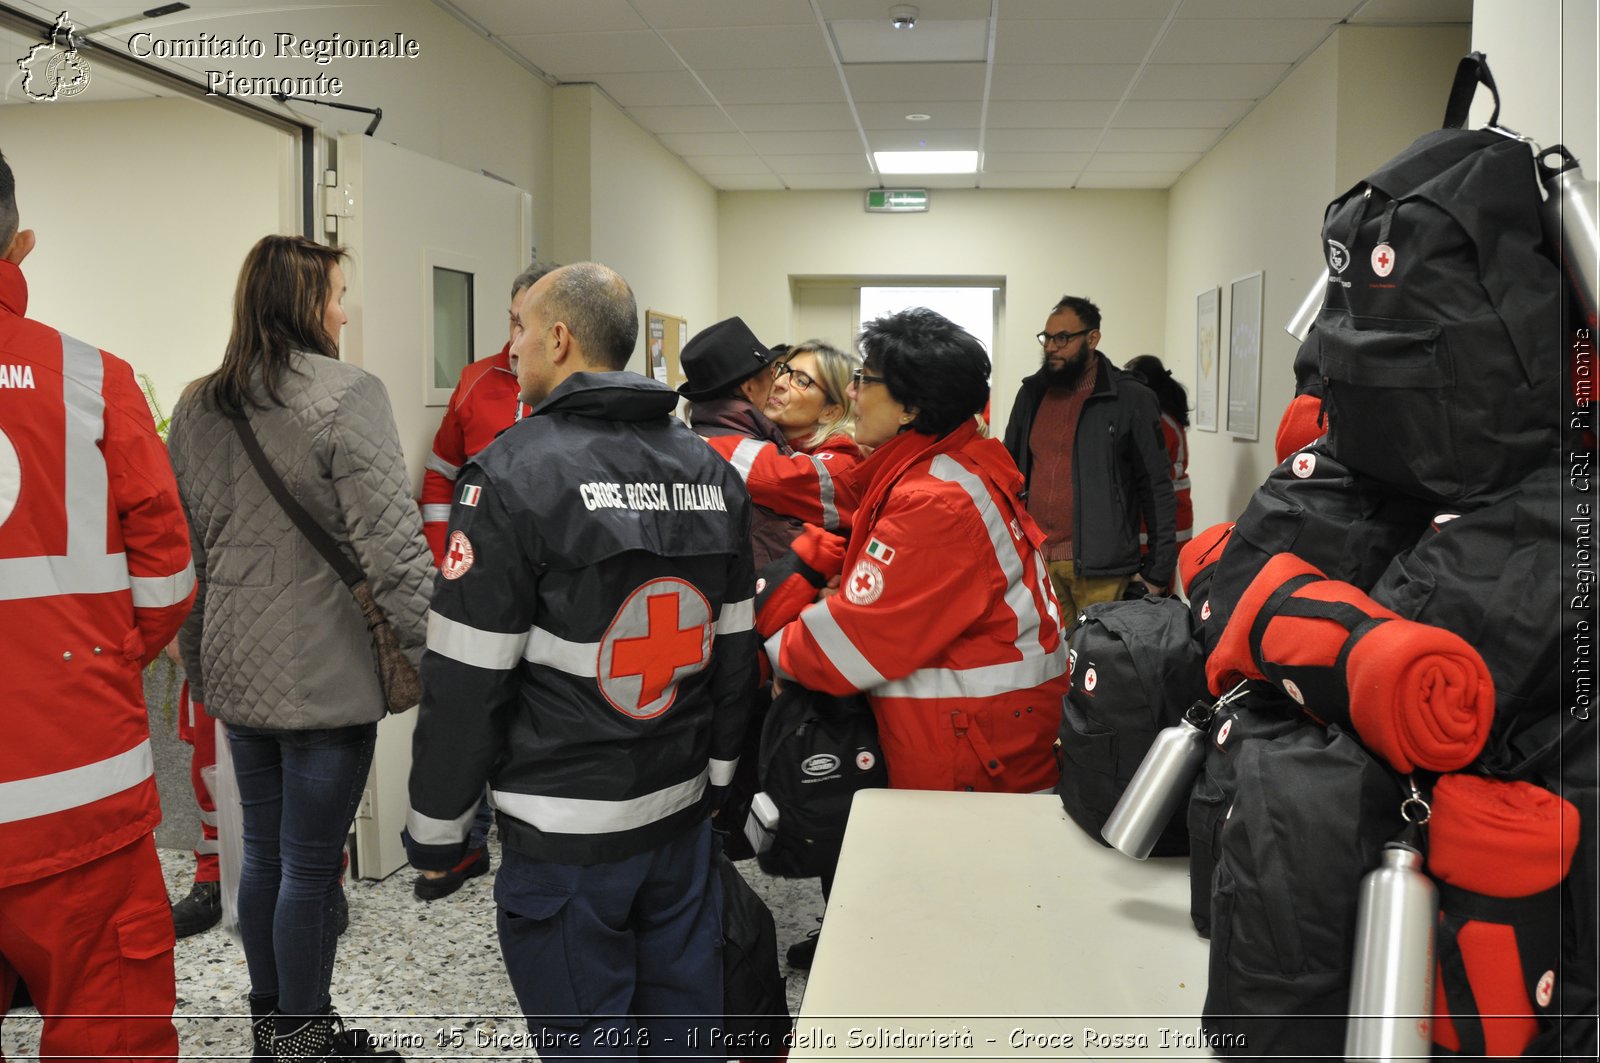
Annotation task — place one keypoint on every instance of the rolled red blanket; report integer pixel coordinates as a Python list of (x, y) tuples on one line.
[(1500, 851), (1200, 553), (1300, 427), (1416, 695)]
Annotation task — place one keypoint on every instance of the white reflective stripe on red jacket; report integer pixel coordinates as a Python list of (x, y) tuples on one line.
[(75, 787)]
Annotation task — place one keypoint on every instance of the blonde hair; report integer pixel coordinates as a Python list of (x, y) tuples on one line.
[(834, 371)]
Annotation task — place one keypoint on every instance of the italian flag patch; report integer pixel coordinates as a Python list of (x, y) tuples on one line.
[(880, 551), (469, 494)]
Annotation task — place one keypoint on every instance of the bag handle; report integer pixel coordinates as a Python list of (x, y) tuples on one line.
[(347, 570), (1472, 71)]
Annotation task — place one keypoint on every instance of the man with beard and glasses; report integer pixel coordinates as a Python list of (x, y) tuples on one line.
[(1087, 437)]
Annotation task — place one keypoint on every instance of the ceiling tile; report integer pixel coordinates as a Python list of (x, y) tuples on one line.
[(1240, 40), (508, 18), (937, 180), (583, 56), (750, 47), (751, 182), (661, 88), (940, 115), (1109, 41), (795, 117), (682, 119), (1177, 114), (1142, 161), (787, 164), (727, 164), (1189, 140), (809, 84), (1325, 10), (1034, 162), (1061, 81), (1415, 11), (927, 10), (1030, 140), (1213, 81), (705, 143), (929, 139), (813, 182), (916, 82), (702, 14), (1085, 9), (837, 142), (932, 41), (1067, 115), (1038, 179), (1128, 180)]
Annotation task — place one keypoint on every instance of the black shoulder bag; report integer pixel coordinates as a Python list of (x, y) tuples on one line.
[(402, 687)]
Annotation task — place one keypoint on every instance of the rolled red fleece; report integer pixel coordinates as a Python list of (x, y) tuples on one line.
[(1418, 696), (1201, 552), (1300, 425), (1499, 849)]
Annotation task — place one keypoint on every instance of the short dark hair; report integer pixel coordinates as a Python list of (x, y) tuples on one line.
[(1087, 312), (930, 364), (8, 204), (598, 308), (532, 275)]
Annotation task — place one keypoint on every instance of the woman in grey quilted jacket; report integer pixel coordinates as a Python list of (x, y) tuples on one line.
[(276, 647)]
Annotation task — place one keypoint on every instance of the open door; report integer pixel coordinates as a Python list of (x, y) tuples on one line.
[(434, 249)]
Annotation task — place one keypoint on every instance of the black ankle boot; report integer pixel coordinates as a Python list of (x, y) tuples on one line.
[(263, 1012), (324, 1037), (198, 912)]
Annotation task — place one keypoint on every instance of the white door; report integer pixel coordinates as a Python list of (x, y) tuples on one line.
[(418, 228)]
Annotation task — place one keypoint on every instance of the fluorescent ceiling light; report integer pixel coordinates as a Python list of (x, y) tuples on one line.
[(926, 161)]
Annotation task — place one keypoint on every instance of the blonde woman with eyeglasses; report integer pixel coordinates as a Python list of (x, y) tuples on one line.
[(811, 402)]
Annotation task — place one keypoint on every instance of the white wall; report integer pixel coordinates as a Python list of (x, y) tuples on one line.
[(629, 203), (1545, 58), (1108, 246), (1256, 201), (144, 211)]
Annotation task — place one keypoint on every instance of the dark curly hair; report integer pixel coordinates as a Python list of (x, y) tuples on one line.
[(929, 364), (1172, 395)]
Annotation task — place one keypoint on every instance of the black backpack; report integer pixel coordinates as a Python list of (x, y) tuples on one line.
[(1311, 812), (1314, 506), (817, 750), (1136, 668), (755, 1003), (1261, 714), (1439, 344)]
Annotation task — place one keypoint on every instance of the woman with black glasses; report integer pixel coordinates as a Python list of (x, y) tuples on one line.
[(811, 403)]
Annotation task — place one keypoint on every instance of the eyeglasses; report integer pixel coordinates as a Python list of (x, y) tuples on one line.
[(799, 378), (1060, 339), (862, 377)]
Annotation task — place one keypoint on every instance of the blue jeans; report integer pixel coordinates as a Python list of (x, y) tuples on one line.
[(620, 960), (299, 790)]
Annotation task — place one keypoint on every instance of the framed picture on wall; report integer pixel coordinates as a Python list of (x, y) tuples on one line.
[(1244, 357), (1207, 315)]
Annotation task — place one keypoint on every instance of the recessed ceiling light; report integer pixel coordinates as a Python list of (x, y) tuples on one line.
[(926, 161), (918, 117)]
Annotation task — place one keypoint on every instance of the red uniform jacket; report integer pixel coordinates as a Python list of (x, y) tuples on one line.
[(945, 619), (806, 485), (1177, 441), (485, 403), (95, 578)]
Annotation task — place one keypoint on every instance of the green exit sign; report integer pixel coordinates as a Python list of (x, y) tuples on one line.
[(896, 200)]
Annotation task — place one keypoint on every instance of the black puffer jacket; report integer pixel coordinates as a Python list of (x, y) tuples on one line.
[(1119, 472)]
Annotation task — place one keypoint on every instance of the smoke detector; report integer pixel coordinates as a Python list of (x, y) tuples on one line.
[(903, 17)]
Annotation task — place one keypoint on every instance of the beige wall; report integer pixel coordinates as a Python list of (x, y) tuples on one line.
[(143, 221), (1545, 59), (628, 202), (1256, 201), (1109, 246)]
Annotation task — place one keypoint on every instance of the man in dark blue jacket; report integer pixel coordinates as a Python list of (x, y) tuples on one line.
[(1087, 437), (591, 653)]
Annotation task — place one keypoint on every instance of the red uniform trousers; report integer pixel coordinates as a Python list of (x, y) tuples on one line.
[(200, 731), (95, 940)]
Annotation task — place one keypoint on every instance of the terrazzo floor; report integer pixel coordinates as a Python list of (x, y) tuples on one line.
[(406, 971)]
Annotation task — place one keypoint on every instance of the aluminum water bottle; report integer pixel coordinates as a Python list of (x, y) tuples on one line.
[(1571, 216), (1305, 315), (1162, 784), (1391, 985)]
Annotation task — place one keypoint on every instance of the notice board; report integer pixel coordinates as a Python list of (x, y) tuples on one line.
[(664, 336)]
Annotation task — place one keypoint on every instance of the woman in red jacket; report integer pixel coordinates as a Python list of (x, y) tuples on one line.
[(944, 616), (1174, 400), (812, 404)]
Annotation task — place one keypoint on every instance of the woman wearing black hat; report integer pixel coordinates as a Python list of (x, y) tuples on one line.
[(944, 616)]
